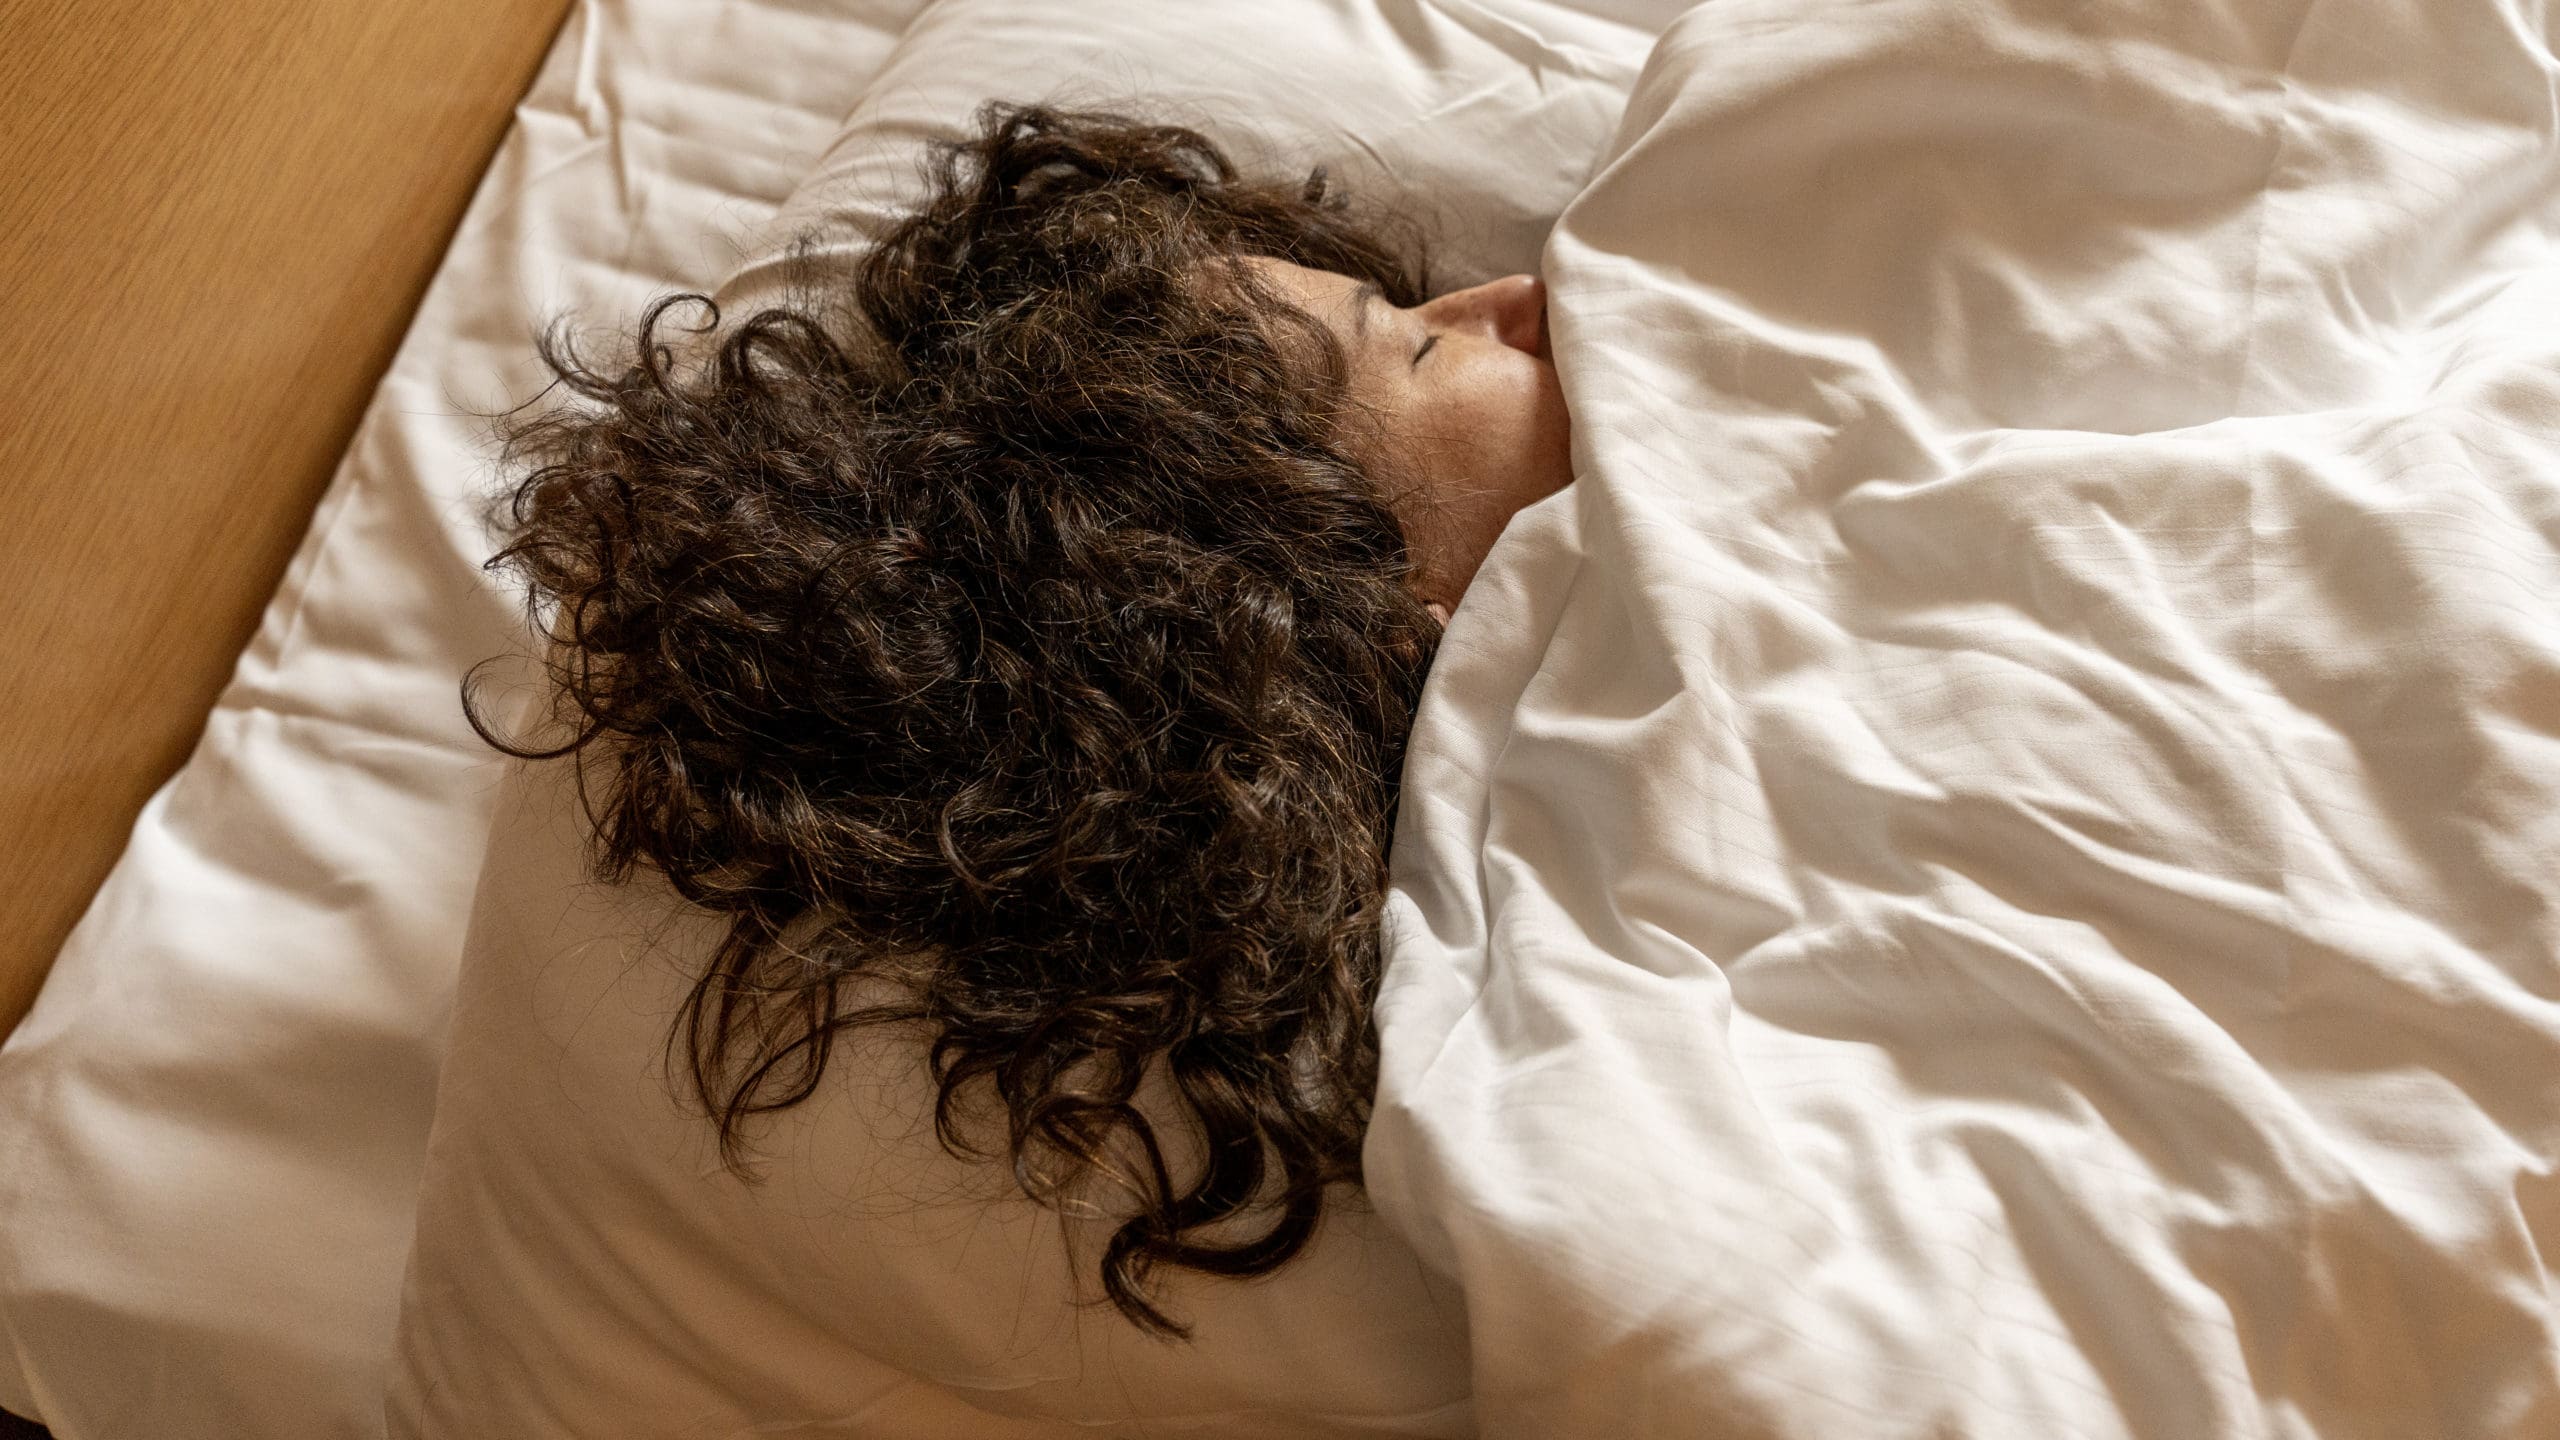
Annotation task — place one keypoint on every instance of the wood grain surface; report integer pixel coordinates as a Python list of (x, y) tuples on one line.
[(215, 221)]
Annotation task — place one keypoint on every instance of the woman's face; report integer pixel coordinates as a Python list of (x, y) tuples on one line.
[(1462, 414)]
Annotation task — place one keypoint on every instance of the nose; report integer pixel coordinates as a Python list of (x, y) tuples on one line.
[(1512, 310)]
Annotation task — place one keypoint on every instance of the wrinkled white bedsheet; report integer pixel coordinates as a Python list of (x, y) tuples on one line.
[(1993, 869)]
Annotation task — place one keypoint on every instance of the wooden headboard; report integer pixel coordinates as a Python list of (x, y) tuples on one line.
[(215, 221)]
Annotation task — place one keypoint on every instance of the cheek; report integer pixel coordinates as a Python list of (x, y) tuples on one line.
[(1522, 441), (1484, 441), (1555, 428)]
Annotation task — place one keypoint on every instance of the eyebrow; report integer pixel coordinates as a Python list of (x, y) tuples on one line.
[(1367, 295)]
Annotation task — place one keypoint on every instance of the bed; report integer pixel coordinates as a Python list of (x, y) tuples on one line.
[(1985, 871)]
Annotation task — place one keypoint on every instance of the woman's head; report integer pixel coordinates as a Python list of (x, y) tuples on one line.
[(1020, 641), (1448, 405)]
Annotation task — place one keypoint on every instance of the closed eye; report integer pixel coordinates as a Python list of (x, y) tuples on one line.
[(1427, 342)]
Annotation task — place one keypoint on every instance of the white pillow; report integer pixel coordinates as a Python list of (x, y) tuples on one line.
[(1485, 115), (584, 1265)]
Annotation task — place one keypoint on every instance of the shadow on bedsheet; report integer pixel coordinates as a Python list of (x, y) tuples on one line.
[(13, 1428)]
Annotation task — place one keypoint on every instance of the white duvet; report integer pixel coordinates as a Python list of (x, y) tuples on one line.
[(1993, 869)]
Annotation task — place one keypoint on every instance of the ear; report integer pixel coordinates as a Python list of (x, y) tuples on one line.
[(1439, 612)]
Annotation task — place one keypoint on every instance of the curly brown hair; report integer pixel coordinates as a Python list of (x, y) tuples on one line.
[(1013, 636)]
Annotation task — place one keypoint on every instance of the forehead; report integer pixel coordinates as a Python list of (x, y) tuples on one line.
[(1340, 302)]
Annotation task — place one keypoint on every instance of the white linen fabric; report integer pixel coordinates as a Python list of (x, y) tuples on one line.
[(583, 1263), (1990, 869), (1480, 117), (216, 1113)]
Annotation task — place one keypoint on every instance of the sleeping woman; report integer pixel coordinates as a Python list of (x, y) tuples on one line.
[(1028, 633)]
